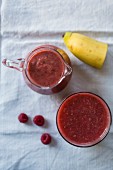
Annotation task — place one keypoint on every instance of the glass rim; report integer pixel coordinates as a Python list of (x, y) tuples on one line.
[(103, 135), (41, 48)]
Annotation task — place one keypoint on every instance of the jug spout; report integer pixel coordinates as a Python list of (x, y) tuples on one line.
[(68, 70), (18, 64)]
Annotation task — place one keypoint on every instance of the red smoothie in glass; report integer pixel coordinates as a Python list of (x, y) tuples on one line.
[(83, 119), (45, 68)]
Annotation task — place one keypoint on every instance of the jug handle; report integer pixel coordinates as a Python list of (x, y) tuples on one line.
[(18, 64)]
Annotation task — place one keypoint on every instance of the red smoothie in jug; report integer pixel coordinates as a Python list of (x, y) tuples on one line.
[(45, 68), (83, 119)]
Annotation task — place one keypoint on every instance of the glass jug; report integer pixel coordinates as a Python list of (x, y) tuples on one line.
[(46, 70)]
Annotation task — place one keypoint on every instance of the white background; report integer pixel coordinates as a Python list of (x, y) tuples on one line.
[(25, 24)]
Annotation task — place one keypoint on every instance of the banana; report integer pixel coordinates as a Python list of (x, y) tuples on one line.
[(88, 50)]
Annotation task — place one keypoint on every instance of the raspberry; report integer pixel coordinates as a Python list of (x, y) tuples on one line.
[(45, 138), (38, 120), (23, 118)]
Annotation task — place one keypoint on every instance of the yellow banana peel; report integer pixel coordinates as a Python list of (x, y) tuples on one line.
[(88, 50)]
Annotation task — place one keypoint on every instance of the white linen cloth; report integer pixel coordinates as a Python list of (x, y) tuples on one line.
[(25, 24)]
